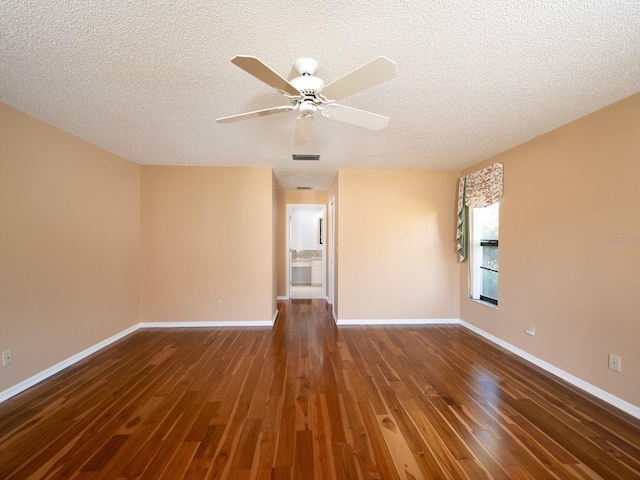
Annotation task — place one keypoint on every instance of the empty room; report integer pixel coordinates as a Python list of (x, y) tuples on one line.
[(335, 240)]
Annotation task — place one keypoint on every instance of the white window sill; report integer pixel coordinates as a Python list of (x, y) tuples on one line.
[(482, 302)]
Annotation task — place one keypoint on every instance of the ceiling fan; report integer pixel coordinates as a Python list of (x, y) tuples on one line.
[(308, 94)]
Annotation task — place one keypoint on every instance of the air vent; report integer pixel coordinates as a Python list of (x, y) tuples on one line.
[(302, 156), (304, 188)]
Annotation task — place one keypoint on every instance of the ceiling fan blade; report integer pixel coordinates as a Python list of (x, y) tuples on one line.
[(376, 71), (361, 118), (262, 72), (257, 113), (302, 135)]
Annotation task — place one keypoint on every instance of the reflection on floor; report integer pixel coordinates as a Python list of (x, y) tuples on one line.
[(306, 291)]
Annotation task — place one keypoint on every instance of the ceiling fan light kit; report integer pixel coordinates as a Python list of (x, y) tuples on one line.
[(308, 93)]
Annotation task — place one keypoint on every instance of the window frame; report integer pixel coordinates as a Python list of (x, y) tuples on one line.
[(477, 243)]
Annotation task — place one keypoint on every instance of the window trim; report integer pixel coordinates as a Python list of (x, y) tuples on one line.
[(475, 265)]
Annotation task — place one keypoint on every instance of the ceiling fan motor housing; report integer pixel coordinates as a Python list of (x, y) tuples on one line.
[(307, 84)]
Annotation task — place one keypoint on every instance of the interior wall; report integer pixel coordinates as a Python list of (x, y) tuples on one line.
[(206, 235), (394, 236), (570, 249), (310, 197), (304, 225), (69, 245)]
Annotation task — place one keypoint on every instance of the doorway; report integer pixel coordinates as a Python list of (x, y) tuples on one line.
[(306, 247)]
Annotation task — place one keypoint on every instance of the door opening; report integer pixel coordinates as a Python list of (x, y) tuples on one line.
[(306, 247)]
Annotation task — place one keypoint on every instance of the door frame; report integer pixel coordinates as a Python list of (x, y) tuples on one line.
[(332, 250), (290, 207)]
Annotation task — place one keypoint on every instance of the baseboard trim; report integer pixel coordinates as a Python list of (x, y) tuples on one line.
[(43, 375), (597, 392), (398, 321), (216, 324), (58, 367), (282, 298), (567, 377)]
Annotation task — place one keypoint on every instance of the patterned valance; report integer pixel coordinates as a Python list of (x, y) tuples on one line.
[(478, 189)]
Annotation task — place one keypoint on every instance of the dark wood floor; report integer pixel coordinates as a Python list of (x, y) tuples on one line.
[(309, 400)]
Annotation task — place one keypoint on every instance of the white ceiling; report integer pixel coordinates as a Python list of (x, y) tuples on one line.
[(147, 79)]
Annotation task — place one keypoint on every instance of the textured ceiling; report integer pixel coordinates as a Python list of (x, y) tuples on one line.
[(146, 80)]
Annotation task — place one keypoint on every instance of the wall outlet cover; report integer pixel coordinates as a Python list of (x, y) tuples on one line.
[(615, 363), (7, 358)]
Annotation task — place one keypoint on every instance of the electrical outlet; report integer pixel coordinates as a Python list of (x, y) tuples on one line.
[(361, 302), (615, 363), (7, 358), (219, 303), (531, 330)]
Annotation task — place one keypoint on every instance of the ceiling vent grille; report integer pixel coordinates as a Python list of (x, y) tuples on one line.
[(304, 156), (304, 188)]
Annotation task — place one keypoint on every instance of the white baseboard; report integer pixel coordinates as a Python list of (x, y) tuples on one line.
[(43, 375), (216, 324), (623, 405), (617, 402), (39, 377), (282, 298), (573, 380), (398, 321)]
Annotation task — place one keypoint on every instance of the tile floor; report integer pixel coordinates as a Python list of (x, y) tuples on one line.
[(306, 291)]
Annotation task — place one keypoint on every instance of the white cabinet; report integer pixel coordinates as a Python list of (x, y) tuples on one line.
[(301, 272), (316, 271)]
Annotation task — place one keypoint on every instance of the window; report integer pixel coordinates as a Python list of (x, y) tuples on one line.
[(484, 253)]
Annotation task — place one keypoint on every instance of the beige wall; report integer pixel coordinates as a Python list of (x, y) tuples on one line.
[(395, 234), (206, 235), (285, 197), (69, 245), (565, 193)]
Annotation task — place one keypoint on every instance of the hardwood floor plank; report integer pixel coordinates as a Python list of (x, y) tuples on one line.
[(286, 438), (359, 438), (106, 453), (265, 454), (401, 452), (137, 464), (383, 456), (322, 450), (180, 462), (303, 466), (210, 441), (247, 443), (344, 462), (444, 457), (307, 399)]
